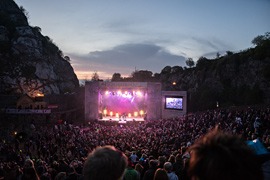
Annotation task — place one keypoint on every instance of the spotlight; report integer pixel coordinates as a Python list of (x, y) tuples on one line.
[(141, 112)]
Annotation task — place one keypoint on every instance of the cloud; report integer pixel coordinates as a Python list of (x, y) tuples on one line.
[(125, 58)]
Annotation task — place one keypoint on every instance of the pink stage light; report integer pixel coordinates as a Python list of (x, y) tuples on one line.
[(107, 93)]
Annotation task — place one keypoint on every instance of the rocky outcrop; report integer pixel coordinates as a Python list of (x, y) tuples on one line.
[(237, 79), (30, 63)]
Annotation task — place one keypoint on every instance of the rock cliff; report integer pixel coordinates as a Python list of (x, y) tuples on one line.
[(235, 79), (30, 63)]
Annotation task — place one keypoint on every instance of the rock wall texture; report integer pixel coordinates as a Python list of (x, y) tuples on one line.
[(30, 63)]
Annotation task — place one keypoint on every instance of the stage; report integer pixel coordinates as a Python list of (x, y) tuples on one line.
[(126, 120)]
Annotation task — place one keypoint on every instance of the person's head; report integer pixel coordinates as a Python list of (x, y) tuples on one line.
[(178, 158), (161, 174), (153, 163), (139, 168), (105, 163), (168, 166), (161, 160), (28, 163), (223, 156), (172, 159), (61, 176)]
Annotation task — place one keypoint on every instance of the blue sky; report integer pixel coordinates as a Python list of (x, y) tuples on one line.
[(119, 36)]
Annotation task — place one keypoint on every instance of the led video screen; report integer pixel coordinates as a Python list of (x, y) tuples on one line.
[(174, 102)]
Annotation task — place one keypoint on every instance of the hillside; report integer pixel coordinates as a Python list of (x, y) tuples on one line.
[(30, 63), (235, 79)]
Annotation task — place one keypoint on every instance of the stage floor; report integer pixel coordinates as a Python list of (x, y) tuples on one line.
[(121, 121)]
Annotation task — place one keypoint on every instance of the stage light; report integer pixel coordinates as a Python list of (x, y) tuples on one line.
[(111, 113), (139, 93), (141, 112), (105, 112), (40, 95), (106, 92), (117, 115), (129, 115), (135, 113), (119, 93)]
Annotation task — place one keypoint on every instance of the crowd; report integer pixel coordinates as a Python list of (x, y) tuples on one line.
[(59, 151)]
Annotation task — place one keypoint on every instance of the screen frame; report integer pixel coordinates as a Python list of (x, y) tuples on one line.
[(177, 97)]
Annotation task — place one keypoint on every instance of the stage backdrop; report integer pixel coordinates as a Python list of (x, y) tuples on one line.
[(159, 104)]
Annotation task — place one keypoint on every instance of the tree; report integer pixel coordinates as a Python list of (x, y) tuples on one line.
[(261, 39), (117, 77), (176, 69), (95, 77), (190, 62), (166, 70), (24, 12), (67, 58), (38, 29), (229, 53), (202, 62), (218, 55), (142, 75)]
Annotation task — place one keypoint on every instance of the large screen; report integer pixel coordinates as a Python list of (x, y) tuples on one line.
[(174, 102)]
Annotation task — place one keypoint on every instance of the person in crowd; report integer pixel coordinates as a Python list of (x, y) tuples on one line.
[(223, 156), (139, 169), (133, 157), (161, 161), (105, 162), (149, 174), (169, 169), (178, 166), (161, 174), (172, 159), (130, 172), (54, 149), (30, 174)]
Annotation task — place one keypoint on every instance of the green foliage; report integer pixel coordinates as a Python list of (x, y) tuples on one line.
[(202, 63), (24, 11), (190, 62), (229, 53), (262, 51), (67, 58), (50, 47), (142, 76), (166, 70), (176, 69), (261, 39), (117, 77), (95, 77), (38, 29)]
